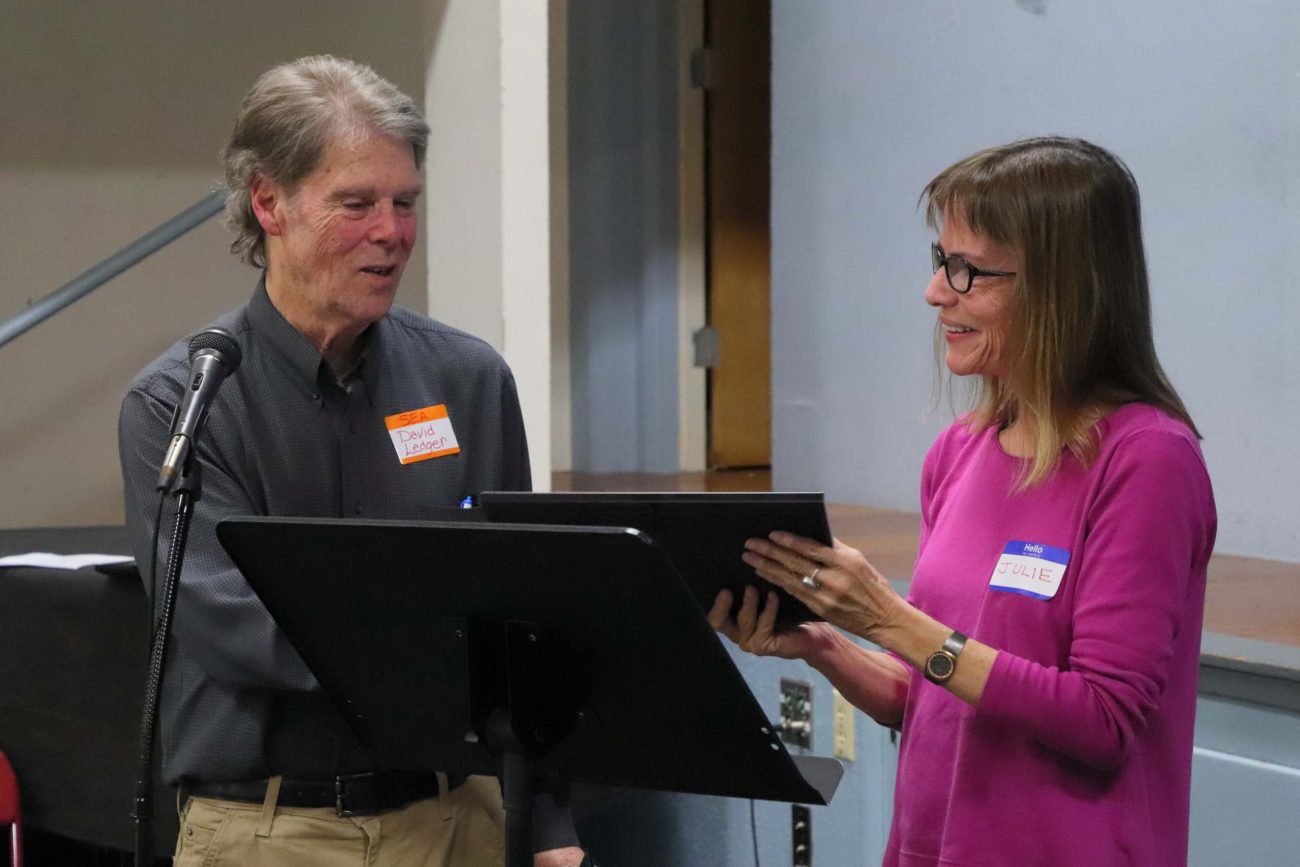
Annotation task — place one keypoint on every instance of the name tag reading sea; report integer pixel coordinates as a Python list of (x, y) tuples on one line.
[(422, 434), (1030, 569)]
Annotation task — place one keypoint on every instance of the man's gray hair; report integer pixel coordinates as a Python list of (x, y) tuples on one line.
[(289, 117)]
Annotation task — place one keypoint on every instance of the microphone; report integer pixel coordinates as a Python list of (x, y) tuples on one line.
[(214, 355)]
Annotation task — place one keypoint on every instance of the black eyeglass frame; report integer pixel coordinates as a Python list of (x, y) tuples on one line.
[(940, 259)]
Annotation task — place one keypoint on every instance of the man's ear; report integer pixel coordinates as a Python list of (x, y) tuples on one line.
[(268, 200)]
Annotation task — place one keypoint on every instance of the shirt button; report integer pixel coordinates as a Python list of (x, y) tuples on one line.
[(357, 507)]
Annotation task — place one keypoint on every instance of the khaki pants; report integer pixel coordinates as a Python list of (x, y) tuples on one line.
[(461, 828)]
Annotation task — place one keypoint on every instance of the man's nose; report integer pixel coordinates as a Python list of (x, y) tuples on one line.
[(385, 226)]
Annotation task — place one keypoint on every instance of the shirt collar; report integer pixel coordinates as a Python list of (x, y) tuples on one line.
[(300, 357)]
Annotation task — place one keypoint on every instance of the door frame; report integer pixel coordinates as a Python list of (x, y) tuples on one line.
[(692, 310)]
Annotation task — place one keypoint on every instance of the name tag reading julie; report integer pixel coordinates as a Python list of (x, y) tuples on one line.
[(1030, 569), (422, 434)]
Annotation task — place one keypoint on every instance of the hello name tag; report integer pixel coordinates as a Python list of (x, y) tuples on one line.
[(422, 434), (1030, 569)]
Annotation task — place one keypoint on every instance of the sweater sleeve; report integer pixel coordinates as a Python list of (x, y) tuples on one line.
[(1141, 580)]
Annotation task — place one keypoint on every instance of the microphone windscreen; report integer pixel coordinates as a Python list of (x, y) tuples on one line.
[(220, 340)]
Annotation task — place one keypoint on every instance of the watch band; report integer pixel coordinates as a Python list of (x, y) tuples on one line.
[(942, 664)]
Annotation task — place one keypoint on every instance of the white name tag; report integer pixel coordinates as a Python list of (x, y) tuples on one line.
[(1030, 569), (422, 434)]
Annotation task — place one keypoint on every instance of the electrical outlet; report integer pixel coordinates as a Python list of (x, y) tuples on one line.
[(801, 836), (844, 736), (796, 713)]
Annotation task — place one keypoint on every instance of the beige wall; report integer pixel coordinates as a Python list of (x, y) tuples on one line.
[(111, 115)]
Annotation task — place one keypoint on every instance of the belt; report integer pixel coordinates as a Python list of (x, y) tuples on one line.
[(350, 795)]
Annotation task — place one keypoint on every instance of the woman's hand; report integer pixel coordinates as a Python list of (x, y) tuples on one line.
[(837, 582), (756, 632), (874, 681)]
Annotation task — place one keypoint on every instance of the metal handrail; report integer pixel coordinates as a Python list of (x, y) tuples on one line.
[(146, 245)]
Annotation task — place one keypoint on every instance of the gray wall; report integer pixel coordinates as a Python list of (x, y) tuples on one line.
[(112, 116), (871, 100), (623, 235)]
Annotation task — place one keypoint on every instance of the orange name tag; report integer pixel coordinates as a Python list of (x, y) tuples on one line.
[(422, 434)]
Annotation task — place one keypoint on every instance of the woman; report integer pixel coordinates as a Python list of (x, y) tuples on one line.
[(1043, 668)]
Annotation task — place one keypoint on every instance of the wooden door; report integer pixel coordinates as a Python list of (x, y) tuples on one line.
[(738, 171)]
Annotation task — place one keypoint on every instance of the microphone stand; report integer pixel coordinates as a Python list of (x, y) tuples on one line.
[(186, 491)]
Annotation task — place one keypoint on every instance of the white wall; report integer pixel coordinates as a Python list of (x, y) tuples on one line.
[(871, 100), (489, 177), (463, 202), (112, 115)]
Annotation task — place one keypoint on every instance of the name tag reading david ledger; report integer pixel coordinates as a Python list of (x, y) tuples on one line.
[(1030, 569), (422, 434)]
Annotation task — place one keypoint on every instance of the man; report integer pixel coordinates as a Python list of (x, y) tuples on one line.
[(323, 169)]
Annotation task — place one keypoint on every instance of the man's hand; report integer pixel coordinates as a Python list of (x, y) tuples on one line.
[(570, 856)]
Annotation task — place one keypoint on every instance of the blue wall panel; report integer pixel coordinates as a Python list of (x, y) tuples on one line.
[(623, 235)]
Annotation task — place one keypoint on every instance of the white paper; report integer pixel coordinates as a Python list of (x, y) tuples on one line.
[(45, 560)]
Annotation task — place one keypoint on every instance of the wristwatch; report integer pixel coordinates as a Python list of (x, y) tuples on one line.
[(940, 665)]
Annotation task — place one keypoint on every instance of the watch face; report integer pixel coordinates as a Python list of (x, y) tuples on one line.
[(939, 666)]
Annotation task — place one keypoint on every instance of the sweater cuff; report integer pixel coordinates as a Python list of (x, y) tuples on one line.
[(552, 825)]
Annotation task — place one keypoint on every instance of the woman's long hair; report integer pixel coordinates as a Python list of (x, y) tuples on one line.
[(1081, 338)]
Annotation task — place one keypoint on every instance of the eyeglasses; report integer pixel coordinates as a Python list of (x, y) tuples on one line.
[(960, 273)]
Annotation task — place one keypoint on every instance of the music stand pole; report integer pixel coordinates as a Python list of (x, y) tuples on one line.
[(516, 787)]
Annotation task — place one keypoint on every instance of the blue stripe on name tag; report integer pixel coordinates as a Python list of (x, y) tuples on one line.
[(1039, 550)]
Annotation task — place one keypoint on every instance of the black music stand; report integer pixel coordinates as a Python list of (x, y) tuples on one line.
[(543, 655)]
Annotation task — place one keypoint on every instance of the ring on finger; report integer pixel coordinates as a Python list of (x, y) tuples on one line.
[(810, 581)]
